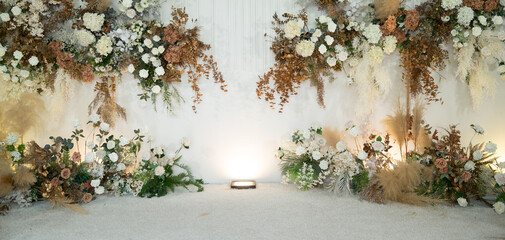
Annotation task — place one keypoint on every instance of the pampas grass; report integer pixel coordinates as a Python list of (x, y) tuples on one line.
[(396, 125), (386, 8), (465, 59), (23, 177), (371, 81), (481, 83)]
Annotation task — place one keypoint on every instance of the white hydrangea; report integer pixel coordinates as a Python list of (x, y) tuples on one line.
[(451, 4), (104, 46), (93, 21), (11, 138), (390, 44), (372, 33), (33, 60), (375, 55), (465, 16), (305, 48), (497, 20), (83, 37), (293, 29)]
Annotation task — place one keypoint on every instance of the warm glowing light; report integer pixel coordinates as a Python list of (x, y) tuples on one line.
[(243, 184)]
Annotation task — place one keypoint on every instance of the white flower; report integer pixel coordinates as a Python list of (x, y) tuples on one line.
[(99, 190), (342, 56), (95, 183), (90, 157), (156, 38), (120, 167), (316, 155), (90, 145), (144, 4), (16, 10), (446, 18), (93, 21), (451, 4), (332, 26), (390, 44), (306, 134), (123, 141), (321, 142), (160, 71), (143, 73), (131, 13), (500, 178), (477, 155), (94, 118), (154, 51), (354, 131), (300, 150), (104, 46), (499, 207), (146, 155), (186, 142), (18, 55), (497, 20), (24, 73), (126, 3), (375, 55), (372, 33), (482, 20), (462, 202), (317, 33), (104, 126), (148, 43), (329, 40), (341, 146), (478, 129), (362, 155), (145, 58), (305, 48), (16, 156), (156, 89), (323, 165), (33, 60), (11, 138), (101, 153), (293, 29), (378, 146), (465, 16), (322, 49), (314, 38), (5, 17), (159, 170), (502, 2), (476, 31), (469, 166), (84, 37), (324, 19), (111, 144), (76, 123), (161, 49), (490, 147), (485, 51), (113, 156), (331, 61), (131, 68)]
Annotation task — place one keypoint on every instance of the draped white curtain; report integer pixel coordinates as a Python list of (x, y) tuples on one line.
[(235, 135)]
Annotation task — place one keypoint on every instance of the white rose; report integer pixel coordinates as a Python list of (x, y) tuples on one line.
[(154, 51), (16, 10), (95, 183), (161, 49), (300, 150), (90, 157), (499, 207), (131, 13), (104, 46), (462, 202), (120, 167), (497, 20), (331, 61), (113, 157), (482, 20), (159, 170), (316, 155), (84, 37), (362, 155), (292, 29), (500, 178), (123, 141), (329, 40), (143, 73), (24, 73), (354, 131), (93, 21), (317, 33), (148, 43), (5, 17), (314, 39), (160, 71), (111, 144), (490, 147), (99, 190), (156, 89), (33, 60), (104, 126), (477, 155), (332, 26), (18, 55), (341, 146), (305, 48), (323, 165), (321, 142), (94, 118), (127, 3), (322, 49), (131, 68), (342, 56), (146, 155), (378, 146), (476, 31), (469, 166)]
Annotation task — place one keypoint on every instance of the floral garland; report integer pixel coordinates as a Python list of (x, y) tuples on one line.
[(96, 38), (355, 36)]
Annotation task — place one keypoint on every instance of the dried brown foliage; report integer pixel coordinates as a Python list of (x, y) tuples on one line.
[(68, 63), (474, 4), (382, 160), (389, 26), (104, 101), (411, 20)]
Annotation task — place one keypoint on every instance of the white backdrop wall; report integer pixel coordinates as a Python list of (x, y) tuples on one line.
[(234, 135)]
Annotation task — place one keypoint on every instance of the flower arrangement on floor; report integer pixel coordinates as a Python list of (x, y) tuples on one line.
[(443, 171), (62, 173), (355, 36), (43, 43)]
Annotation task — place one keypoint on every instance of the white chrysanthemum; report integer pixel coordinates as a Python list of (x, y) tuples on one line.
[(99, 190), (490, 147), (323, 165), (293, 29), (95, 183), (131, 68), (305, 48), (316, 155), (372, 33), (322, 49), (18, 54), (451, 4), (300, 150), (5, 17), (469, 166), (93, 21), (33, 60), (104, 46), (111, 144), (84, 37), (16, 156), (329, 40), (90, 157), (462, 202), (160, 71), (497, 20), (94, 118), (331, 61), (465, 16), (362, 155), (159, 170), (375, 55), (113, 157), (156, 89), (131, 13), (11, 138), (104, 126), (390, 44), (499, 207), (144, 73), (476, 31), (16, 10)]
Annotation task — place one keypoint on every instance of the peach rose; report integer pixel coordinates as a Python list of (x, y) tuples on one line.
[(462, 157), (440, 163), (76, 157), (65, 173), (54, 182), (440, 147), (443, 170), (87, 198), (466, 176)]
